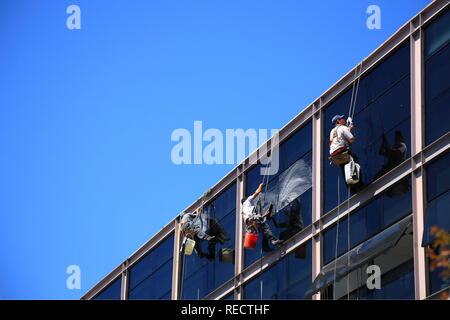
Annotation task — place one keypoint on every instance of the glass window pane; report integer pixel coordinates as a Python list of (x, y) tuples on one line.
[(438, 177), (437, 215), (369, 220), (290, 278), (212, 262), (437, 34), (112, 292), (289, 191), (437, 80), (157, 286), (228, 297), (382, 126), (151, 277), (397, 275)]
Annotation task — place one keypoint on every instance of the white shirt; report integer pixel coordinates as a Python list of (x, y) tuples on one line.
[(340, 135), (248, 207)]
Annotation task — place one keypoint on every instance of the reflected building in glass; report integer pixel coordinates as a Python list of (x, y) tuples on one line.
[(336, 238)]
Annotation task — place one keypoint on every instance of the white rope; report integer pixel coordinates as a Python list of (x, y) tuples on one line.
[(337, 241), (351, 112), (182, 270), (355, 89), (348, 242), (350, 109), (266, 184)]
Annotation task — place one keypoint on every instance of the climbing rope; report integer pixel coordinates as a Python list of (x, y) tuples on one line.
[(348, 242), (183, 245), (266, 184), (337, 241), (355, 89), (351, 112), (266, 179), (260, 203), (181, 255)]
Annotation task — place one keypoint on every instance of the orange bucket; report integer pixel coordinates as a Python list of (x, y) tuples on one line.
[(250, 240)]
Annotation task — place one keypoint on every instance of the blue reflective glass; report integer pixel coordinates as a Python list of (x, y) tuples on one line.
[(437, 78), (395, 284), (382, 77), (437, 215), (296, 146), (396, 265), (197, 285), (156, 286), (212, 262), (293, 212), (229, 297), (367, 221), (290, 278), (438, 177), (151, 277), (437, 34), (112, 292), (382, 126)]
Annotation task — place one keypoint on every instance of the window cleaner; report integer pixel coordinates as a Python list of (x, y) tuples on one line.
[(341, 137), (195, 227), (350, 167), (255, 221)]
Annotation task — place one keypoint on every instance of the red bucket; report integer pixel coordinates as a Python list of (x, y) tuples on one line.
[(250, 240)]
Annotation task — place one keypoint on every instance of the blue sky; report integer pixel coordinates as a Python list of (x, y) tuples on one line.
[(86, 115)]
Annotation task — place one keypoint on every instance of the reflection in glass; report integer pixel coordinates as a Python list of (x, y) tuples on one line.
[(437, 79), (212, 262), (202, 226), (368, 221), (437, 214), (112, 292), (151, 276), (289, 196), (289, 278), (382, 126), (394, 258)]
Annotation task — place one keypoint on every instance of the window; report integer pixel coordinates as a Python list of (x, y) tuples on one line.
[(391, 251), (151, 277), (438, 204), (111, 292), (229, 296), (369, 220), (290, 278), (437, 79), (290, 191), (212, 262), (382, 126)]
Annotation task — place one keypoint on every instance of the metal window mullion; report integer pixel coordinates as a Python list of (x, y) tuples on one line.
[(417, 137), (317, 190), (176, 266), (124, 285), (239, 251)]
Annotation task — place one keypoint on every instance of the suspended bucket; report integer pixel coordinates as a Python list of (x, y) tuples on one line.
[(351, 170), (189, 247), (250, 240), (226, 255)]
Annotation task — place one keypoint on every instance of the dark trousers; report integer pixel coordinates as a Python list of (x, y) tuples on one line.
[(267, 232), (265, 229)]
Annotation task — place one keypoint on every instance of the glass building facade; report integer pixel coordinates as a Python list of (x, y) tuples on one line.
[(337, 238)]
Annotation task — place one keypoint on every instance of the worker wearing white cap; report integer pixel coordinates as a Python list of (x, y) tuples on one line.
[(341, 136)]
